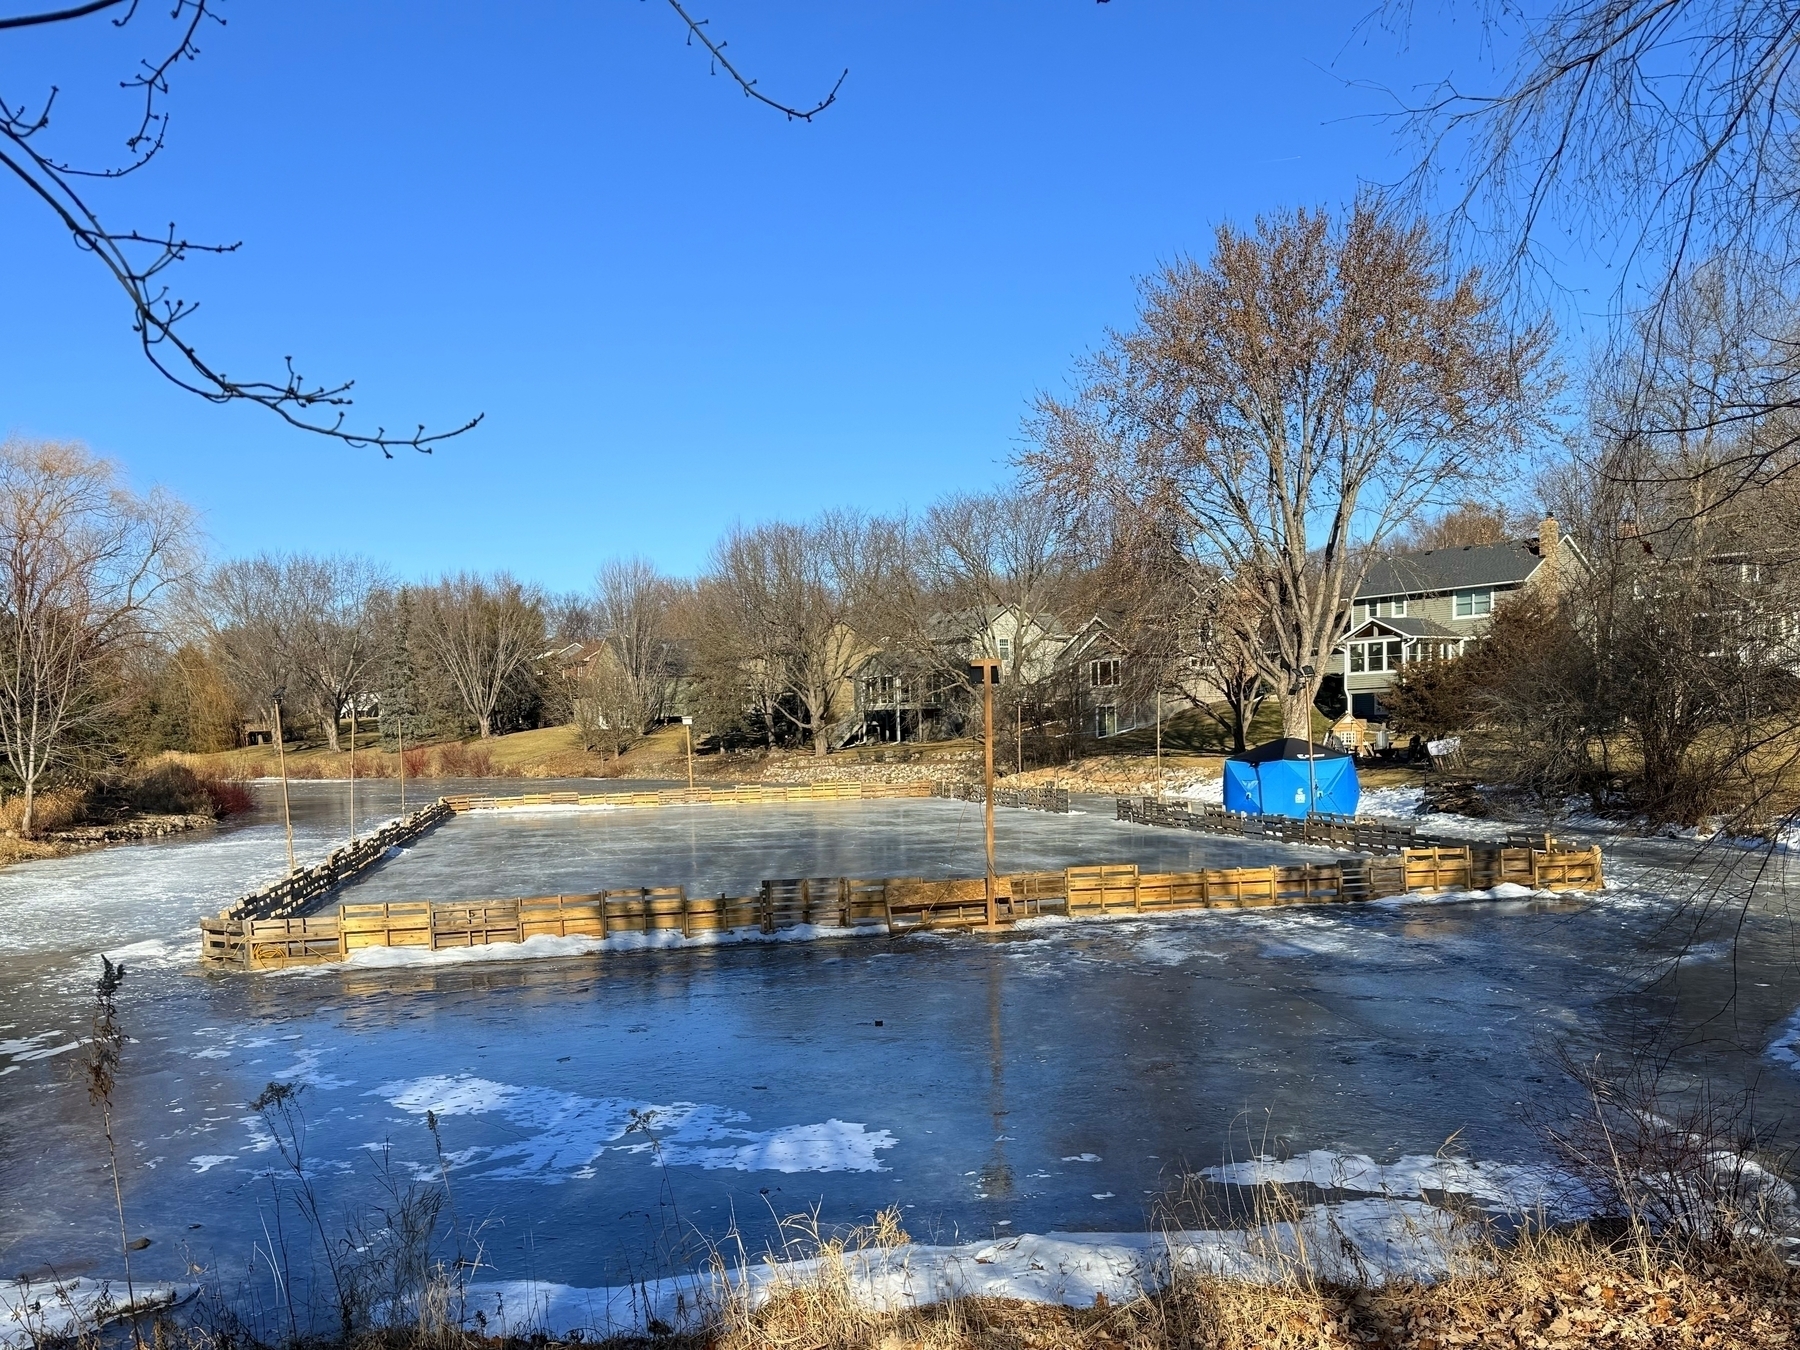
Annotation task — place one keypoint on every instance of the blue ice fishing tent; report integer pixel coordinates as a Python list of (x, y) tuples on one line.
[(1278, 779)]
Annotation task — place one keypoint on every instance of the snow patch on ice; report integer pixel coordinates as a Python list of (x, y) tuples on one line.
[(568, 1132), (35, 1311), (541, 946), (1517, 1188), (22, 1050)]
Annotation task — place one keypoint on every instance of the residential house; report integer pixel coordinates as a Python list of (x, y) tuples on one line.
[(1429, 604), (902, 695)]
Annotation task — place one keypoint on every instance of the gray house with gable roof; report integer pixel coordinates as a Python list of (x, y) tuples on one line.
[(1429, 604)]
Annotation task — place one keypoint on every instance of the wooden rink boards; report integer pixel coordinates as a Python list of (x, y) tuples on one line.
[(893, 905)]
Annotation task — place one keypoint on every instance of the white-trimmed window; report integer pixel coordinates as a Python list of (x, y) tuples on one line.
[(1005, 646), (1372, 658), (1393, 607), (1104, 674), (1474, 604)]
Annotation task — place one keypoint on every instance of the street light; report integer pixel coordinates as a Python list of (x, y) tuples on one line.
[(1312, 774), (287, 815), (989, 671)]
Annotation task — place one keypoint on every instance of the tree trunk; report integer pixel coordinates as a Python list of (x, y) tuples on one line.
[(818, 738), (1296, 711), (328, 724), (29, 818), (487, 725)]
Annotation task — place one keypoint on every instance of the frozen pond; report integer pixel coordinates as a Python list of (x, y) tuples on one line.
[(1050, 1079)]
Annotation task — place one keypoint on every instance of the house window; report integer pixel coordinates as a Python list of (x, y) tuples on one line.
[(1394, 607), (1376, 657), (1104, 674), (1474, 604), (1106, 720), (1005, 647)]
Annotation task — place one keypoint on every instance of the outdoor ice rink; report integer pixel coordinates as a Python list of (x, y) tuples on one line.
[(1058, 1077)]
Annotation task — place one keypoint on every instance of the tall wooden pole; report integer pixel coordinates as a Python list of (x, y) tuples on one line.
[(401, 720), (1159, 776), (287, 814), (990, 672), (352, 768), (687, 725)]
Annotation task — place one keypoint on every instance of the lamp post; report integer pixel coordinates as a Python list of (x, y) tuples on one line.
[(287, 814), (990, 674), (1312, 773)]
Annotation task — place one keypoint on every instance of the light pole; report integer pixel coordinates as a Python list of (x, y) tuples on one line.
[(1159, 772), (687, 725), (287, 814), (352, 767), (990, 674), (1312, 773)]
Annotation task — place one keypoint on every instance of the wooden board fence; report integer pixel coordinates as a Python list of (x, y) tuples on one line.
[(754, 794), (893, 905)]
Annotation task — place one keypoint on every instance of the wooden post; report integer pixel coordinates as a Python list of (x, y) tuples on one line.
[(687, 725), (352, 767), (1159, 773), (287, 815), (401, 718), (990, 673)]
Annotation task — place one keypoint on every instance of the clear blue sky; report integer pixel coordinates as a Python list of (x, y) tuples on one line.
[(676, 309)]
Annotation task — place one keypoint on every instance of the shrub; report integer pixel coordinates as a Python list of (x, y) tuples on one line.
[(55, 810)]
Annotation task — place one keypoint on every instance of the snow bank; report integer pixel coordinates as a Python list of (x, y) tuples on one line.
[(33, 1310), (1365, 1241)]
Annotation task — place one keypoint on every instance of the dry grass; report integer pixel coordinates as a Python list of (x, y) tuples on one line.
[(1549, 1290)]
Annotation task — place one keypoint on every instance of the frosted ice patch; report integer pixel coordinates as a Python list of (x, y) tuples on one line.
[(1519, 1188), (207, 1161), (568, 1132), (39, 1046), (1082, 1157)]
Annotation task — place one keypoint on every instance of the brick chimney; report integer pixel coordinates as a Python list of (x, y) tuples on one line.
[(1549, 540)]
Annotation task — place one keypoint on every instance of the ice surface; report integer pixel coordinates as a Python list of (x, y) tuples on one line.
[(950, 1073)]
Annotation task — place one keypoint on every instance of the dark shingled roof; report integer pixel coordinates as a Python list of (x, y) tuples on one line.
[(1412, 628), (1451, 569)]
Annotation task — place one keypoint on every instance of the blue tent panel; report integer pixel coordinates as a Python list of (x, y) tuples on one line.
[(1243, 790), (1275, 779), (1288, 786)]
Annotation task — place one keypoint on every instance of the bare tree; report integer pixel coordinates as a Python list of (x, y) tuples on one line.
[(333, 642), (82, 562), (1290, 405), (786, 610), (632, 602), (998, 551), (1657, 137), (139, 261), (481, 632), (300, 625)]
